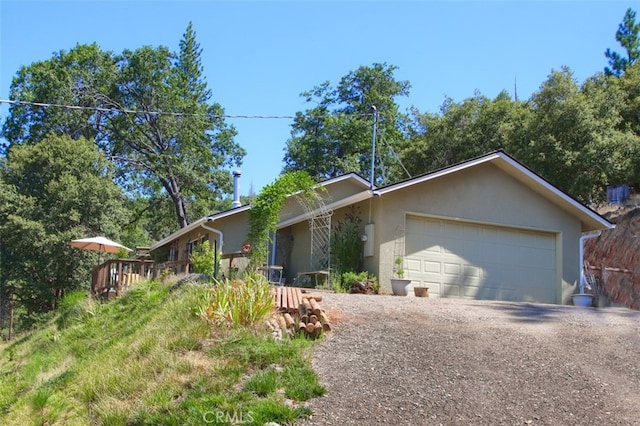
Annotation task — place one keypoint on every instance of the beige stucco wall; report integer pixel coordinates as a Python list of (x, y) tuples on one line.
[(234, 230), (482, 194), (339, 190), (192, 236), (300, 249), (296, 240)]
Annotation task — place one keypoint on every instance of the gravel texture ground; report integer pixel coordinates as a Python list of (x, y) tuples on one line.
[(425, 361)]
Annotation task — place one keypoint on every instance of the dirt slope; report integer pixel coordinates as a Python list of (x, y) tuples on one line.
[(618, 249)]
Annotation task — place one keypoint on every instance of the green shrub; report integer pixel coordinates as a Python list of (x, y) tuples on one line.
[(239, 302), (203, 259), (266, 207), (348, 280), (346, 242)]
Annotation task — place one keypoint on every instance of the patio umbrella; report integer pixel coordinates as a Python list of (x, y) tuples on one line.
[(100, 244)]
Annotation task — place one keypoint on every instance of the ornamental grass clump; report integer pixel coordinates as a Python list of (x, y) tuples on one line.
[(239, 303)]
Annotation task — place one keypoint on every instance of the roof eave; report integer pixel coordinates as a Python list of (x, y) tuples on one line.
[(177, 234), (591, 220)]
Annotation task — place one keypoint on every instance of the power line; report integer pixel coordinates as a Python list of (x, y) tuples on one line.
[(396, 156), (159, 113), (137, 112)]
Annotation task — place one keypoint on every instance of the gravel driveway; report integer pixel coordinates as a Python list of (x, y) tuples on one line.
[(406, 360)]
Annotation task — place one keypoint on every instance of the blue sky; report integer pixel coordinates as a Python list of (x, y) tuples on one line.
[(258, 56)]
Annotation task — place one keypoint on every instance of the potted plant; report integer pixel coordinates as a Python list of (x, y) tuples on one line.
[(399, 284), (421, 291)]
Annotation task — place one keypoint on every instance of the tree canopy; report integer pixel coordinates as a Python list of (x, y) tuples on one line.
[(573, 135), (461, 131), (51, 192), (174, 144), (334, 136), (628, 35)]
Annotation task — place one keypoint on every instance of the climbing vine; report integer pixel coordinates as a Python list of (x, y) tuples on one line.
[(264, 212)]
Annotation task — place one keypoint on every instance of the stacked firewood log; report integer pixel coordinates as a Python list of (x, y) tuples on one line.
[(298, 313)]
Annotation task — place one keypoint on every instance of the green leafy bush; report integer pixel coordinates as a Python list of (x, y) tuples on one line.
[(346, 242), (203, 259), (398, 267), (263, 215), (349, 279), (239, 302)]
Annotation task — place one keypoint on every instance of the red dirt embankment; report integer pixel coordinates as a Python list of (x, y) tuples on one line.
[(618, 248)]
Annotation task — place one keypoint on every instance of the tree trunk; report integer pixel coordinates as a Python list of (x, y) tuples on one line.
[(173, 189)]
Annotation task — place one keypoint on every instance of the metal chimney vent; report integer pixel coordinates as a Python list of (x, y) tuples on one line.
[(236, 189)]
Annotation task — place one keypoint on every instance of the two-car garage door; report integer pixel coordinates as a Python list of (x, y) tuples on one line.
[(477, 261)]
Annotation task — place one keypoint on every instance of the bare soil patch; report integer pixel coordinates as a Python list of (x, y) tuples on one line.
[(406, 360)]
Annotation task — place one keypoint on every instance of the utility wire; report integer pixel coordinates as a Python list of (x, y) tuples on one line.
[(396, 156), (160, 113)]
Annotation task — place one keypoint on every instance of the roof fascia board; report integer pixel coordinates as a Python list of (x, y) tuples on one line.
[(227, 213), (336, 179), (197, 224), (438, 173), (494, 158), (350, 175), (178, 234)]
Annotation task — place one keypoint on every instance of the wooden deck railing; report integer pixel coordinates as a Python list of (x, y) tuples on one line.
[(115, 275), (176, 267)]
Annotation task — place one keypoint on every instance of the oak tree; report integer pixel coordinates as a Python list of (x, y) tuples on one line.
[(335, 135)]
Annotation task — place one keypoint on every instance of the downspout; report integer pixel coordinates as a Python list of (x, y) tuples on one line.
[(221, 235), (583, 238)]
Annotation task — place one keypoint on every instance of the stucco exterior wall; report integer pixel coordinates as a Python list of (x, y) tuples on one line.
[(294, 242), (338, 190), (482, 194), (235, 229), (300, 246)]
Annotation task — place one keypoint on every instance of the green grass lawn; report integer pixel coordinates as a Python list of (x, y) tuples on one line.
[(149, 358)]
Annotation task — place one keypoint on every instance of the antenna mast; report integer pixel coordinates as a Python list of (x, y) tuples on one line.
[(373, 144)]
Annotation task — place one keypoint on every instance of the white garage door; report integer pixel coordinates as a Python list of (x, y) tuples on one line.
[(468, 260)]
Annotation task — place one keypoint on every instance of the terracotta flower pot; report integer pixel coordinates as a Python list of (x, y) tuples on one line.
[(421, 291)]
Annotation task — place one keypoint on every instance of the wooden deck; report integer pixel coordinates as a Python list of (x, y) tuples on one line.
[(113, 276)]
